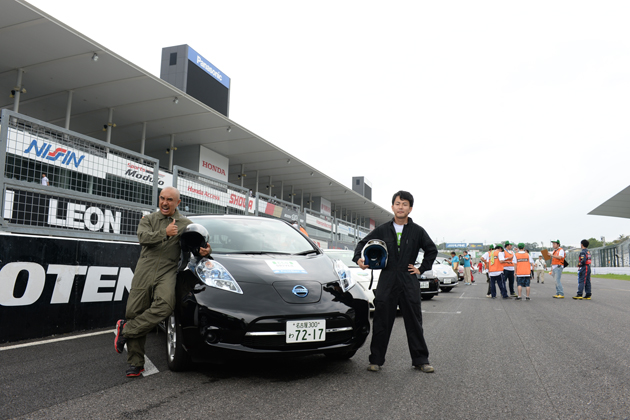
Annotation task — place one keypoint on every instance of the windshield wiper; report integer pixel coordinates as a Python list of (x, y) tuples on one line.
[(310, 251)]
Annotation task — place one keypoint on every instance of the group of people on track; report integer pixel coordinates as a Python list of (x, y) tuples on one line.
[(504, 266)]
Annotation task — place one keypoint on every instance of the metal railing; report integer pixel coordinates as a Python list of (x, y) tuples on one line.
[(95, 190), (201, 194)]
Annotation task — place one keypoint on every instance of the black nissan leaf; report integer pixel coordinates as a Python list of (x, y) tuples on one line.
[(267, 290)]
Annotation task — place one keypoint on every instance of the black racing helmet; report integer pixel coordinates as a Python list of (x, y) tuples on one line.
[(375, 254), (193, 237)]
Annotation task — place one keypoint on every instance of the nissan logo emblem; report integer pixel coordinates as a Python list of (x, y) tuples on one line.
[(300, 291)]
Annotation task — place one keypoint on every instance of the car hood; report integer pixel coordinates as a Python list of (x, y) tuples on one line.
[(364, 275), (443, 271), (271, 268)]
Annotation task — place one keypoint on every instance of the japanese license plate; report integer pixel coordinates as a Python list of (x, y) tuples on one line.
[(424, 284), (306, 331), (447, 281)]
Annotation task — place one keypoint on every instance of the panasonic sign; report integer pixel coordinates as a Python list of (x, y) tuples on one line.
[(208, 67)]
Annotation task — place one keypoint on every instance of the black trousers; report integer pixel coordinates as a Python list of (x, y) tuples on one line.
[(405, 294), (509, 277)]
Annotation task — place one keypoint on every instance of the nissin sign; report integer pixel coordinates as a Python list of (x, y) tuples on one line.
[(208, 67), (44, 152)]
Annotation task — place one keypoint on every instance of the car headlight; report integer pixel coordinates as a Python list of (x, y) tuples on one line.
[(345, 277), (214, 274)]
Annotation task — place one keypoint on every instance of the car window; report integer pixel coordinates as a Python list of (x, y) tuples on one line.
[(255, 236), (344, 256)]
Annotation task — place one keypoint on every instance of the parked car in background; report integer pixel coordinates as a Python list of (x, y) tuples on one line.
[(444, 272), (362, 277), (429, 283), (267, 290)]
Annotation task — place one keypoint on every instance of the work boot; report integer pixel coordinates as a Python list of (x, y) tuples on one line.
[(373, 368), (426, 368)]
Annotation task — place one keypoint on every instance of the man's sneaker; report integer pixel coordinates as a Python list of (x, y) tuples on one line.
[(488, 295), (373, 368), (527, 298), (587, 297), (134, 371), (513, 294), (120, 340), (558, 296), (517, 298), (578, 297), (426, 368)]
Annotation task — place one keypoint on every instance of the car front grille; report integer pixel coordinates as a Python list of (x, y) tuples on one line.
[(341, 333)]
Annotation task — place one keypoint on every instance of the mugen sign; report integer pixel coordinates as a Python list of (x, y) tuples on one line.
[(53, 285)]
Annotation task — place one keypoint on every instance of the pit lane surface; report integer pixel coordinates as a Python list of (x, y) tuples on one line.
[(494, 359)]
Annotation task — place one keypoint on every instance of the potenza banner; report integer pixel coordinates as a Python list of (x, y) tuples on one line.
[(36, 209), (53, 286)]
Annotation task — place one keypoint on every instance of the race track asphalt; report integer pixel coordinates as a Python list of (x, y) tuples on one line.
[(494, 359)]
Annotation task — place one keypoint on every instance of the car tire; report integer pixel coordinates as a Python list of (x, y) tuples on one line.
[(176, 356), (427, 297), (341, 355), (446, 289)]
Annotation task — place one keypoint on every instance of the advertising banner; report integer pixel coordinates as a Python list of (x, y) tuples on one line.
[(325, 206), (318, 222), (213, 165), (476, 245), (208, 67), (35, 209), (28, 145), (52, 286), (455, 245)]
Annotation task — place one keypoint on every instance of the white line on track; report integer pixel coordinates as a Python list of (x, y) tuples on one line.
[(54, 340), (149, 367), (430, 312)]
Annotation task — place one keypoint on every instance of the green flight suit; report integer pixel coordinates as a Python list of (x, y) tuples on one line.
[(152, 294)]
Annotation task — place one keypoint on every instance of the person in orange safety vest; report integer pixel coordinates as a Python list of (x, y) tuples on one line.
[(557, 266), (495, 270), (524, 264)]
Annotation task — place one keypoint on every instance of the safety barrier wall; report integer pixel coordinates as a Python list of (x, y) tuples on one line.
[(96, 190)]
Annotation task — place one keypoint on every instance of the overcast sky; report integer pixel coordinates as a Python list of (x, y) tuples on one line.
[(471, 106)]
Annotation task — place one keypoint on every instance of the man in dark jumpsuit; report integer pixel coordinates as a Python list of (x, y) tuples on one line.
[(584, 272), (152, 295), (398, 284)]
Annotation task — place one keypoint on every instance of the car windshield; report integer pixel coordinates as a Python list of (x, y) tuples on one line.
[(344, 256), (253, 236)]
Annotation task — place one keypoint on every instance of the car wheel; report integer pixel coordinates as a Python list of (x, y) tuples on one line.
[(177, 358), (446, 289), (341, 355), (427, 297)]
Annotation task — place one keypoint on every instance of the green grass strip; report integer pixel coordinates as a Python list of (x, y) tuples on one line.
[(612, 276)]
